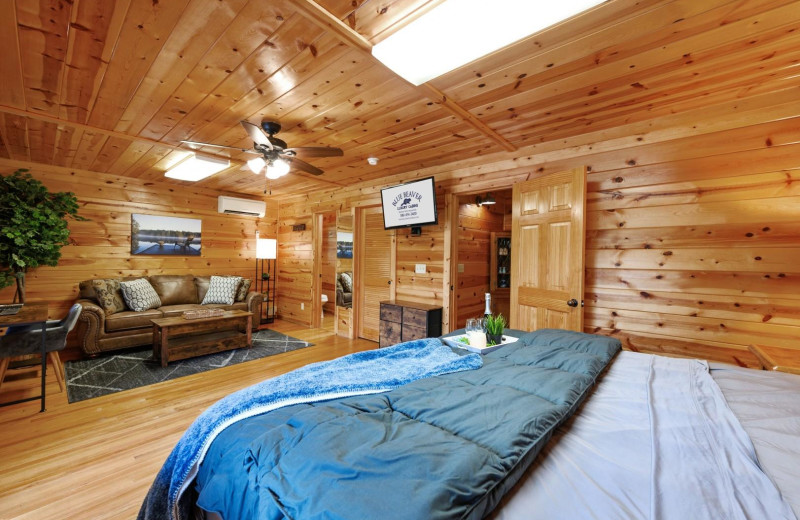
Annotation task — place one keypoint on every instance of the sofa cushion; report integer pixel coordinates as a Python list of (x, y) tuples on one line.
[(244, 288), (222, 289), (201, 282), (139, 295), (347, 281), (131, 319), (170, 311), (174, 289), (109, 295), (237, 306)]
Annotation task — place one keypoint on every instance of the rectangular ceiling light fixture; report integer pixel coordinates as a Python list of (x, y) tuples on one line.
[(197, 167), (458, 32)]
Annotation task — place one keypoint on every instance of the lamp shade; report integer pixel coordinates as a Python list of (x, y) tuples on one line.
[(266, 248)]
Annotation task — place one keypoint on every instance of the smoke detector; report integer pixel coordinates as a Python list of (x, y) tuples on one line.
[(372, 161)]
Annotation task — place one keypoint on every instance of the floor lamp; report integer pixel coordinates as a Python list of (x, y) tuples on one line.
[(267, 249)]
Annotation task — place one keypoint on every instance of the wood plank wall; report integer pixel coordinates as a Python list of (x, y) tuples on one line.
[(693, 225), (100, 247), (475, 225)]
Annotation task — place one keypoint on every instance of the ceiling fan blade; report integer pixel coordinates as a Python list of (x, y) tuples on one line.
[(198, 143), (303, 166), (316, 151), (256, 134)]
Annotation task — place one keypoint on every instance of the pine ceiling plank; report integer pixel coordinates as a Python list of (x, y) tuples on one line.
[(146, 162), (146, 28), (67, 140), (88, 149), (324, 19), (376, 21), (12, 90), (311, 74), (252, 29), (94, 28), (42, 28), (42, 140), (292, 37), (726, 38), (112, 150), (15, 133), (190, 40), (705, 81), (552, 54), (135, 151)]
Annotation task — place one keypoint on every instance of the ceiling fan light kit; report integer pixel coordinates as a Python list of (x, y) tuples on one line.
[(197, 167), (274, 153)]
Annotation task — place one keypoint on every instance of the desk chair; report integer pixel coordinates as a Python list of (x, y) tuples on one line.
[(26, 340)]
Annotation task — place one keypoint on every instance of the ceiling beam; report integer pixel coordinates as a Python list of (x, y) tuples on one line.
[(324, 19)]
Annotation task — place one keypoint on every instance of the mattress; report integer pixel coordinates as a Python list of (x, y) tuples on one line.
[(609, 461)]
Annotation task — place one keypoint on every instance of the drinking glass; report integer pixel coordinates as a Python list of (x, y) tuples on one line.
[(475, 332)]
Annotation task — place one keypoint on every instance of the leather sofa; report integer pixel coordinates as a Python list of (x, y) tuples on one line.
[(344, 295), (98, 332)]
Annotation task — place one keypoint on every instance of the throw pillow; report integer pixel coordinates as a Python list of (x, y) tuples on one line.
[(140, 295), (222, 289), (109, 295), (347, 282), (244, 288)]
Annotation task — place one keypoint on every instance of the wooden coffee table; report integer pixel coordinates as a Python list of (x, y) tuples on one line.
[(178, 338)]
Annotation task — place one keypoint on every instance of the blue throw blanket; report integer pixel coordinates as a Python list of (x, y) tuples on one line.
[(367, 372)]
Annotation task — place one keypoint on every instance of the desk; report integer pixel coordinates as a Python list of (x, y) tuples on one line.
[(30, 314), (777, 358)]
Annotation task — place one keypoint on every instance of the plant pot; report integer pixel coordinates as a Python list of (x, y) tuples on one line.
[(494, 338)]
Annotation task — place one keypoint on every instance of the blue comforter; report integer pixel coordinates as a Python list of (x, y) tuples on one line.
[(448, 446)]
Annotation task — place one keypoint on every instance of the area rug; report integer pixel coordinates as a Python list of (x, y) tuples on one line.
[(131, 369)]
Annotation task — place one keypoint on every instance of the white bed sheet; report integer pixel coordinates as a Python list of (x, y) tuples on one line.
[(656, 440)]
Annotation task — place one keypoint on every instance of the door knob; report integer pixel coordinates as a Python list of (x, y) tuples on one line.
[(573, 303)]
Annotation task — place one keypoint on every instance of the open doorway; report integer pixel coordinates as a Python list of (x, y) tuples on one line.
[(481, 255), (325, 267)]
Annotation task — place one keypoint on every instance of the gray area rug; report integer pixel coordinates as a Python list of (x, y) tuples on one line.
[(105, 375)]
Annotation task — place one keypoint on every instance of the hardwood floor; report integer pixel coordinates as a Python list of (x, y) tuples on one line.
[(97, 458)]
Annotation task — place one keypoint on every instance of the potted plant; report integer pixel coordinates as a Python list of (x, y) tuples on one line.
[(33, 227), (494, 329)]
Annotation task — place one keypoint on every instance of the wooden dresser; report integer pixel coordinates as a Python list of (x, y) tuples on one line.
[(404, 321)]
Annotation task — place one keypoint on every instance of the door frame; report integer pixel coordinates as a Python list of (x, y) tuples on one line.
[(450, 311), (317, 235)]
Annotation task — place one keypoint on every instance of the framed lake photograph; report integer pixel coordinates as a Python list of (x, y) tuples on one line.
[(344, 244), (156, 235)]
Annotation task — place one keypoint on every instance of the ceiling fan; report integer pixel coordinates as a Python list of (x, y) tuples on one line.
[(274, 153)]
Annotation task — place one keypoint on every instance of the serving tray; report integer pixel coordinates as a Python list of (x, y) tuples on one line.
[(453, 341)]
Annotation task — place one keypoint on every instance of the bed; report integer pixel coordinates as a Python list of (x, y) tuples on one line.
[(656, 439)]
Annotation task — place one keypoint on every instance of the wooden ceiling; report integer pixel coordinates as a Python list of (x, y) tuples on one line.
[(115, 86)]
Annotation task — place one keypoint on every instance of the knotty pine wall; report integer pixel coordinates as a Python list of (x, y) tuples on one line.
[(100, 247), (693, 226)]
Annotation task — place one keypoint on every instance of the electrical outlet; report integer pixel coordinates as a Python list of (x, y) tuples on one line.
[(302, 306), (420, 268)]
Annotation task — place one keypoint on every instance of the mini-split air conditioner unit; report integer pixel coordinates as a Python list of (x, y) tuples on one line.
[(232, 205)]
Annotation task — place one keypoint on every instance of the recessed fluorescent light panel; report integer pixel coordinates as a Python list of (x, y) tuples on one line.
[(460, 31), (197, 167)]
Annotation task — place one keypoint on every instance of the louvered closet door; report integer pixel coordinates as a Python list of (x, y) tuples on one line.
[(547, 251), (376, 258)]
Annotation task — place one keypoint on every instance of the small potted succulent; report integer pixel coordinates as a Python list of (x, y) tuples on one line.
[(494, 329)]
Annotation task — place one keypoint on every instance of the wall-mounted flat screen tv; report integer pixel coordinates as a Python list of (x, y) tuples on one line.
[(411, 204)]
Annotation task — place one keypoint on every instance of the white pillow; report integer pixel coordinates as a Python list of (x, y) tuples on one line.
[(139, 295), (222, 289)]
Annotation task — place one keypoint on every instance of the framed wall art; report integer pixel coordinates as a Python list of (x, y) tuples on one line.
[(158, 235)]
